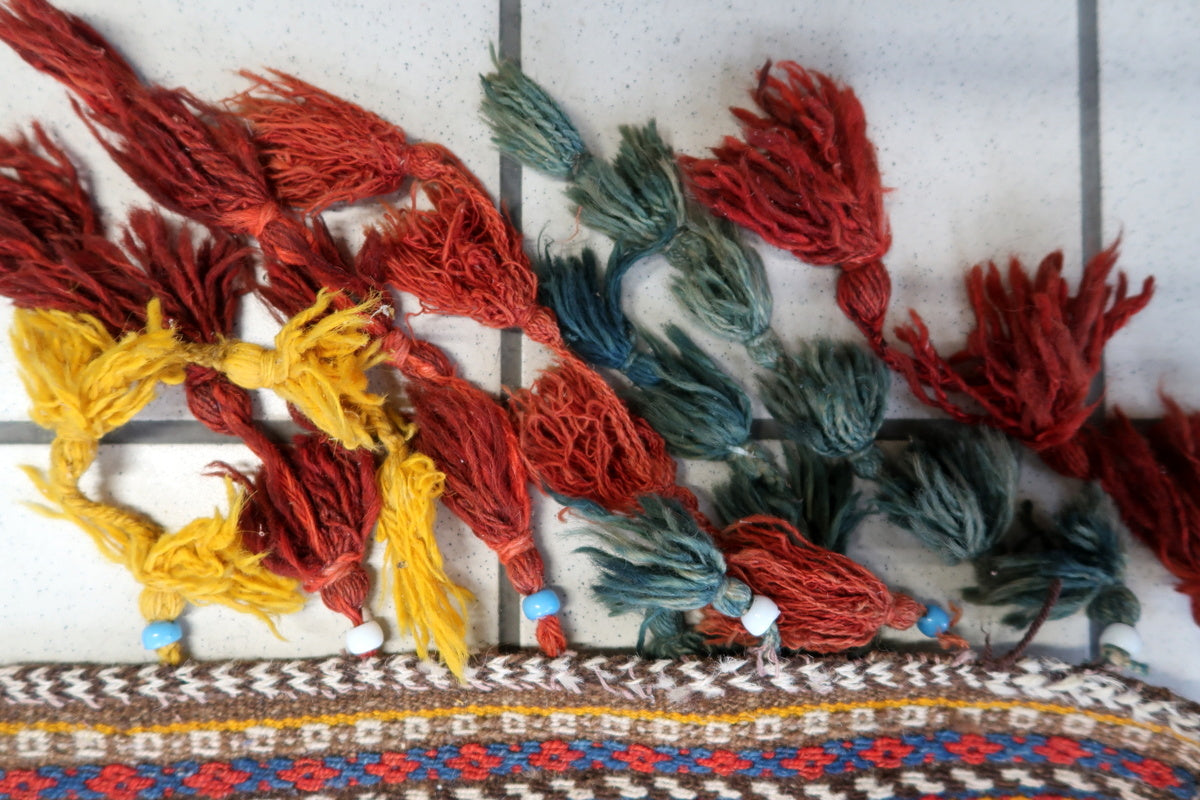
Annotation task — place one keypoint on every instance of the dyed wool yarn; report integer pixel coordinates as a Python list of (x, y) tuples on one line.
[(94, 305), (955, 490), (638, 201), (461, 256), (818, 498), (1028, 365), (459, 424), (83, 385), (1080, 558)]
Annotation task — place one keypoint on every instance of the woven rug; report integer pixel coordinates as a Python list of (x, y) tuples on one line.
[(581, 726)]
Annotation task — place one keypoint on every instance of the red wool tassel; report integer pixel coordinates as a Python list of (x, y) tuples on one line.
[(827, 603), (321, 150), (192, 158), (1154, 479), (582, 442), (463, 258), (312, 511), (804, 177), (314, 505), (487, 482), (43, 192), (1035, 350)]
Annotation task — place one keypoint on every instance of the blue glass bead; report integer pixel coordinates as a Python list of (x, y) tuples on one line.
[(161, 634), (541, 604), (934, 622)]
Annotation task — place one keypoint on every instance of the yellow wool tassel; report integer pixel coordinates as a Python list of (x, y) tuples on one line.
[(429, 605), (319, 365), (83, 384)]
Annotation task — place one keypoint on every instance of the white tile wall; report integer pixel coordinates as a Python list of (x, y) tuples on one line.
[(1149, 117), (975, 114)]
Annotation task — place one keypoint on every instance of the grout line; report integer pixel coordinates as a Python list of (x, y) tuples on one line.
[(1090, 176), (167, 432), (1090, 187), (895, 429), (146, 432), (508, 613)]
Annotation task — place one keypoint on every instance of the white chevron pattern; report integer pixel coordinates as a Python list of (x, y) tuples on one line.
[(624, 676)]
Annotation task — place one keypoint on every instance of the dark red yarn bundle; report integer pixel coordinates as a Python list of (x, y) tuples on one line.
[(828, 603), (1152, 474), (804, 175), (1030, 362)]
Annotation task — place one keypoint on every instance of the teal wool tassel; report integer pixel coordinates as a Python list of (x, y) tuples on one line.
[(666, 634), (699, 410), (588, 307), (1082, 548), (637, 201), (816, 496), (528, 125), (660, 559), (953, 489), (723, 284), (832, 397)]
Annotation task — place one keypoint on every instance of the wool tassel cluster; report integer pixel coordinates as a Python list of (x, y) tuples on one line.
[(638, 201), (102, 321), (804, 176), (954, 490), (201, 163), (476, 447), (1081, 548), (83, 384), (442, 255)]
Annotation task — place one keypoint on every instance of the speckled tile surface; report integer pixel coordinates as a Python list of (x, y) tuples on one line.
[(1150, 120), (975, 113)]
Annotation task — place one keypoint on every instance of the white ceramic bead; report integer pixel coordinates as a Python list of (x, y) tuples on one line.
[(1122, 636), (364, 638), (761, 614)]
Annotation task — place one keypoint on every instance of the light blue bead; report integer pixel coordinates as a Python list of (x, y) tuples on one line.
[(934, 622), (541, 604), (161, 634)]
